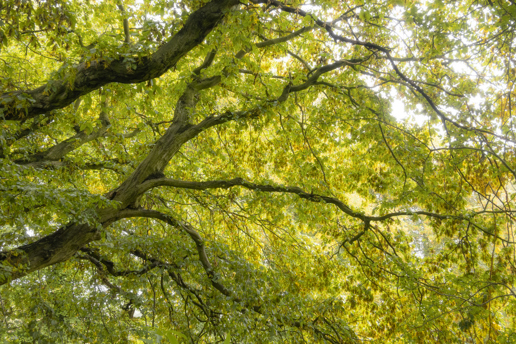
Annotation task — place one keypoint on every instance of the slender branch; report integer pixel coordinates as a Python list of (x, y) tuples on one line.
[(386, 51), (225, 184), (270, 42), (97, 259), (444, 119), (393, 155), (303, 62), (327, 26), (207, 62), (125, 23)]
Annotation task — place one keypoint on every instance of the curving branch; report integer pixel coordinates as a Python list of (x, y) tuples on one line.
[(171, 270), (273, 41), (192, 233), (225, 184), (209, 270), (105, 266)]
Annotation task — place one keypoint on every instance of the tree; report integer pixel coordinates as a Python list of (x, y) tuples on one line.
[(241, 171)]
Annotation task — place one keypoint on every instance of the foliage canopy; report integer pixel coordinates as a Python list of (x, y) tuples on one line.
[(257, 171)]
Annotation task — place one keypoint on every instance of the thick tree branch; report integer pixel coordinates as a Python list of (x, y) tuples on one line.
[(54, 248), (57, 94), (181, 131), (62, 244)]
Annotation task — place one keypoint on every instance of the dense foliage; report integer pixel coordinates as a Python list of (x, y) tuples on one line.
[(259, 171)]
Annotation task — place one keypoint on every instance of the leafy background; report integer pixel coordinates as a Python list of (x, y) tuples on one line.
[(423, 250)]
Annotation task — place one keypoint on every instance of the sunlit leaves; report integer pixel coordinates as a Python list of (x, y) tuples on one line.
[(428, 255)]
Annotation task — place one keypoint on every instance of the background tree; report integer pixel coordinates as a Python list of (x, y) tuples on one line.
[(235, 171)]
